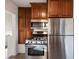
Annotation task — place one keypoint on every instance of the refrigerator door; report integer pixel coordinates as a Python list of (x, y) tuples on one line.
[(60, 26), (69, 26), (56, 48), (53, 26), (69, 46)]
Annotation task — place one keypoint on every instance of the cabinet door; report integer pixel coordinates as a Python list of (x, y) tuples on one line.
[(53, 8), (28, 17), (21, 23), (60, 8), (24, 24), (21, 12), (21, 29), (21, 37), (36, 10), (67, 8), (28, 23), (44, 11)]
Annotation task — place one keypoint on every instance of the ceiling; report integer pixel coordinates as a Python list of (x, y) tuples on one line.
[(26, 3)]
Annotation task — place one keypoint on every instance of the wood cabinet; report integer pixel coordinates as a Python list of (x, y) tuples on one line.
[(36, 11), (28, 23), (22, 12), (21, 29), (39, 10), (67, 8), (24, 23), (44, 13), (60, 8), (53, 8)]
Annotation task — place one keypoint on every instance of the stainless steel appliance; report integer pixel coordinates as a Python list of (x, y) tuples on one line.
[(36, 52), (40, 32), (57, 32), (39, 24), (40, 27), (37, 41), (36, 48)]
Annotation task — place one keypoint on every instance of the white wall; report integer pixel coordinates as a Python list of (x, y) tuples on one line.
[(8, 24), (11, 33), (42, 1), (11, 6), (11, 26)]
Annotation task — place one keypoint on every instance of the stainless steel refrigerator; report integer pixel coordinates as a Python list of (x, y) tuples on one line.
[(58, 31)]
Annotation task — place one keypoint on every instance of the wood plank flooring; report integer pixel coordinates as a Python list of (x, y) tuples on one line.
[(18, 56)]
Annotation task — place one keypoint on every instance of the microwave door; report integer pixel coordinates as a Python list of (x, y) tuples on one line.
[(39, 25)]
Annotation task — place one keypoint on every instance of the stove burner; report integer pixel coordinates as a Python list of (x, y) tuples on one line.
[(37, 40)]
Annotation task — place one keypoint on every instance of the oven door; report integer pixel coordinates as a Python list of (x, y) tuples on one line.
[(36, 50)]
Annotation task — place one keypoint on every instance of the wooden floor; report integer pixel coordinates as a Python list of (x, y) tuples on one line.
[(18, 56)]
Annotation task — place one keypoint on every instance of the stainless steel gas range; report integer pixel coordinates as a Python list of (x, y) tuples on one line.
[(36, 48)]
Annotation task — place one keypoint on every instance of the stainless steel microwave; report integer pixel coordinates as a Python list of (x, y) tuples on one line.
[(39, 24)]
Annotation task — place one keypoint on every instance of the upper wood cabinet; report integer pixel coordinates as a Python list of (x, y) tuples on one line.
[(53, 8), (60, 8), (36, 11), (24, 24), (39, 10), (67, 8), (21, 29), (44, 14), (21, 12), (21, 23), (28, 23)]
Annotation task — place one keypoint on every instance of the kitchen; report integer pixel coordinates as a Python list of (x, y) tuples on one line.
[(42, 29)]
